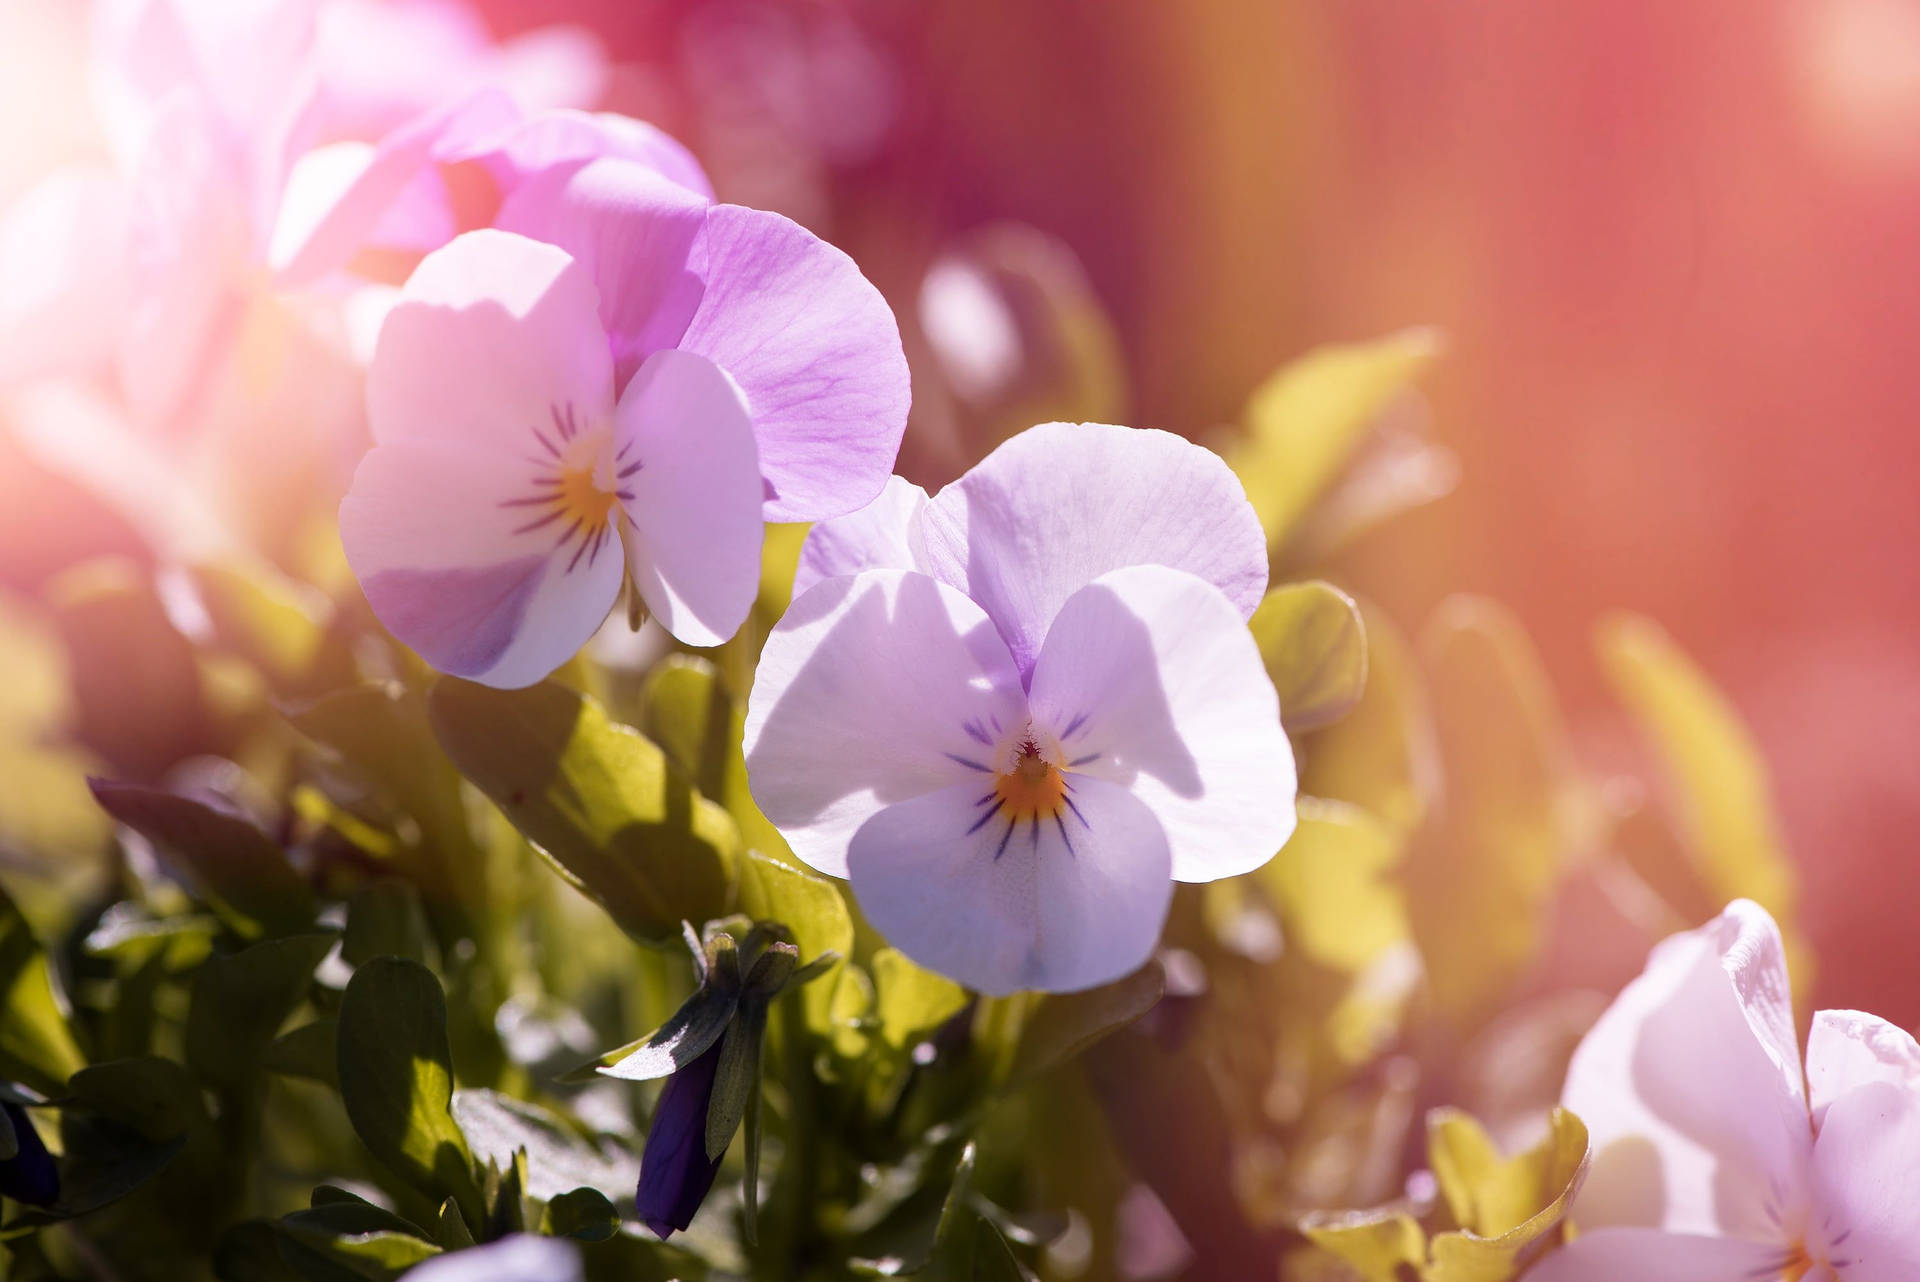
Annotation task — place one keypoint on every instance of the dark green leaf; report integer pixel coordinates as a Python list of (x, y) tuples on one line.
[(155, 1097), (240, 1002), (1063, 1025), (396, 1079), (736, 1079), (307, 1051), (242, 873), (582, 1213), (451, 1228), (385, 920), (250, 1252), (603, 803), (498, 1127)]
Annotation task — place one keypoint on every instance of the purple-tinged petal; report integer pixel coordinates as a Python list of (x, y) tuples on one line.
[(459, 568), (1646, 1255), (399, 169), (633, 230), (1690, 1086), (518, 1257), (1058, 902), (815, 349), (1866, 1170), (63, 275), (688, 479), (565, 139), (1063, 503), (880, 536), (495, 345), (1151, 681), (675, 1172), (1847, 1048), (873, 689)]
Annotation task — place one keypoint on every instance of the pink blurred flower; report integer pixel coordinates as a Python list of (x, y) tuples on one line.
[(1014, 713), (1715, 1159)]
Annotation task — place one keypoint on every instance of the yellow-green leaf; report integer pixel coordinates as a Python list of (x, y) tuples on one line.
[(1508, 1209), (1315, 647), (1381, 755), (598, 799), (910, 1001), (1478, 880), (690, 714), (1722, 795), (1328, 885), (1305, 422), (35, 1046), (1382, 1246), (812, 908), (269, 620)]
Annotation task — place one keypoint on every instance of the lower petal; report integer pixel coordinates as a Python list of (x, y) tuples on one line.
[(1058, 903), (1847, 1048), (1650, 1255), (429, 535), (1866, 1170), (689, 480), (1151, 680)]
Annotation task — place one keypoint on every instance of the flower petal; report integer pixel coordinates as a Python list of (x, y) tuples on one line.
[(1690, 1087), (633, 230), (880, 536), (462, 576), (1645, 1255), (63, 274), (1847, 1048), (690, 484), (518, 1257), (493, 336), (815, 348), (1151, 680), (1057, 903), (1061, 504), (558, 138), (1866, 1170), (873, 689)]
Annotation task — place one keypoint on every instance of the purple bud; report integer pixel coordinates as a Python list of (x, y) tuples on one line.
[(29, 1176), (675, 1172)]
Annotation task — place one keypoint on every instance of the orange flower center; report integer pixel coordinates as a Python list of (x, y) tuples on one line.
[(1033, 789), (581, 497)]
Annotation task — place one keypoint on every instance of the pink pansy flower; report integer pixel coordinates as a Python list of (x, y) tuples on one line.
[(1014, 713), (811, 344), (515, 482), (1715, 1158)]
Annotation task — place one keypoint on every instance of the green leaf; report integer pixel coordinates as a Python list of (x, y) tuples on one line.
[(813, 911), (910, 1001), (240, 1002), (242, 872), (1305, 423), (1509, 1210), (699, 725), (1382, 754), (1328, 884), (341, 1240), (155, 1097), (103, 1161), (307, 1051), (250, 1252), (600, 801), (269, 620), (396, 1079), (583, 1213), (1064, 1025), (1478, 882), (1721, 792), (558, 1157), (1381, 1246), (385, 920), (450, 1229), (1315, 648), (35, 1046)]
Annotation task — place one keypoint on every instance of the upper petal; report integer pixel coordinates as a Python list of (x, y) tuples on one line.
[(457, 567), (1061, 504), (1847, 1048), (873, 689), (633, 230), (883, 535), (493, 337), (1649, 1255), (518, 1257), (1690, 1086), (1151, 680), (815, 348), (1866, 1172), (1059, 903), (690, 483)]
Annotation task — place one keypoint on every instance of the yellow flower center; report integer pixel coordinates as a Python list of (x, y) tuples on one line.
[(1797, 1264), (582, 499), (1034, 789)]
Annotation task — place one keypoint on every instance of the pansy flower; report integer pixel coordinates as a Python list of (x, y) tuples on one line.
[(518, 1257), (1014, 713), (1716, 1158), (513, 485)]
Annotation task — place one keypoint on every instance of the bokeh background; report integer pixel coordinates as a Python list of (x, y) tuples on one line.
[(1671, 248)]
